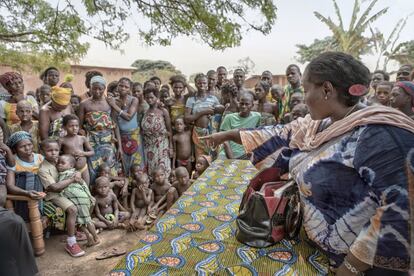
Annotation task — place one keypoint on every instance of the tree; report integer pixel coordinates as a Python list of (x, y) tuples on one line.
[(403, 53), (247, 64), (145, 69), (352, 40), (53, 32), (307, 53)]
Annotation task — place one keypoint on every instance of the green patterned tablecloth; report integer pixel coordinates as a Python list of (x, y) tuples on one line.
[(196, 236)]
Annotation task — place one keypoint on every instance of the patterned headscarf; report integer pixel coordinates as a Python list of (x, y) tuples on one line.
[(98, 79), (17, 137), (8, 77), (408, 87), (61, 95)]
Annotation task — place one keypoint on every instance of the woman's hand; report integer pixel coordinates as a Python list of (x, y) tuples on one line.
[(111, 101)]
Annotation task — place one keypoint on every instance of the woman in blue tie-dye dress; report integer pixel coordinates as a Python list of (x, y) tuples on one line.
[(354, 166)]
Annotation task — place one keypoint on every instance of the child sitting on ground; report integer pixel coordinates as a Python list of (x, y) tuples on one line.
[(106, 207), (142, 200), (78, 193), (161, 188), (182, 146), (118, 184), (76, 145), (202, 164), (24, 111), (183, 181)]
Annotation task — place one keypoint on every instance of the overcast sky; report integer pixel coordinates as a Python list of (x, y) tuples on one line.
[(295, 24)]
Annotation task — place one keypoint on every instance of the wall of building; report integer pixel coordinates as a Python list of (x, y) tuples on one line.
[(253, 80)]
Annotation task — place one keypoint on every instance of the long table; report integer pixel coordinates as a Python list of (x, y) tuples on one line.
[(196, 236)]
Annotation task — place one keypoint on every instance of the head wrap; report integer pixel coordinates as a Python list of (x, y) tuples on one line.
[(8, 77), (408, 87), (98, 79), (61, 95), (17, 137)]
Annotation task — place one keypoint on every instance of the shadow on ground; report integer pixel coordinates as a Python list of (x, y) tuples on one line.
[(56, 261)]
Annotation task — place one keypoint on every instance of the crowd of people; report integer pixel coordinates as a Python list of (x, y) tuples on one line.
[(122, 153)]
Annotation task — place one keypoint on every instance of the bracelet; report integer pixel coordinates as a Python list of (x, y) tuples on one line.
[(352, 268)]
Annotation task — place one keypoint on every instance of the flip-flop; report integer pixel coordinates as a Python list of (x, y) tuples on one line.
[(114, 252)]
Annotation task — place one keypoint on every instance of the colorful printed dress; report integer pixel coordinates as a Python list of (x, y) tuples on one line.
[(156, 143), (27, 179), (80, 195), (356, 188), (132, 147), (99, 127)]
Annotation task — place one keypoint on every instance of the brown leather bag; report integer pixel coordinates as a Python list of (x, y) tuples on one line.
[(270, 210)]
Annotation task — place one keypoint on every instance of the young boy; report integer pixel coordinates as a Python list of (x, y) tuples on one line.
[(48, 175), (78, 192), (383, 92), (76, 145), (44, 94), (24, 111), (118, 184), (142, 200), (244, 119), (161, 188), (183, 181), (182, 146), (106, 207)]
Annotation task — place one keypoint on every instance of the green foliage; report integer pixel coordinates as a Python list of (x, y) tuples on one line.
[(307, 53), (51, 31), (352, 40), (403, 53), (149, 68)]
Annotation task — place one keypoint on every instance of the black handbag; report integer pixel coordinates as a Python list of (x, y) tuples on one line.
[(269, 211)]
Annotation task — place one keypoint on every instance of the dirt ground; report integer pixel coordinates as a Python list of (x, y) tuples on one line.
[(56, 261)]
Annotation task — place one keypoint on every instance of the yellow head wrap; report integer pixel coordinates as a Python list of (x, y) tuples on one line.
[(61, 95)]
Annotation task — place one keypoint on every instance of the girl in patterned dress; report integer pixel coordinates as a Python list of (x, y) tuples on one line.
[(156, 131)]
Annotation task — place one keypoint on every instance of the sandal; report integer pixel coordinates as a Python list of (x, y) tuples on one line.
[(114, 252)]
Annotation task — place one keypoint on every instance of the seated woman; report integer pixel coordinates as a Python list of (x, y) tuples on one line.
[(16, 254), (22, 179), (353, 165)]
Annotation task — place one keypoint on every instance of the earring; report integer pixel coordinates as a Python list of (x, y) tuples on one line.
[(326, 97)]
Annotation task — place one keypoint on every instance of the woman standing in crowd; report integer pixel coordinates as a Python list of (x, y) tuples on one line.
[(353, 165), (52, 113), (177, 109), (95, 117), (13, 83), (199, 110), (126, 108), (50, 76), (157, 134), (402, 97)]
